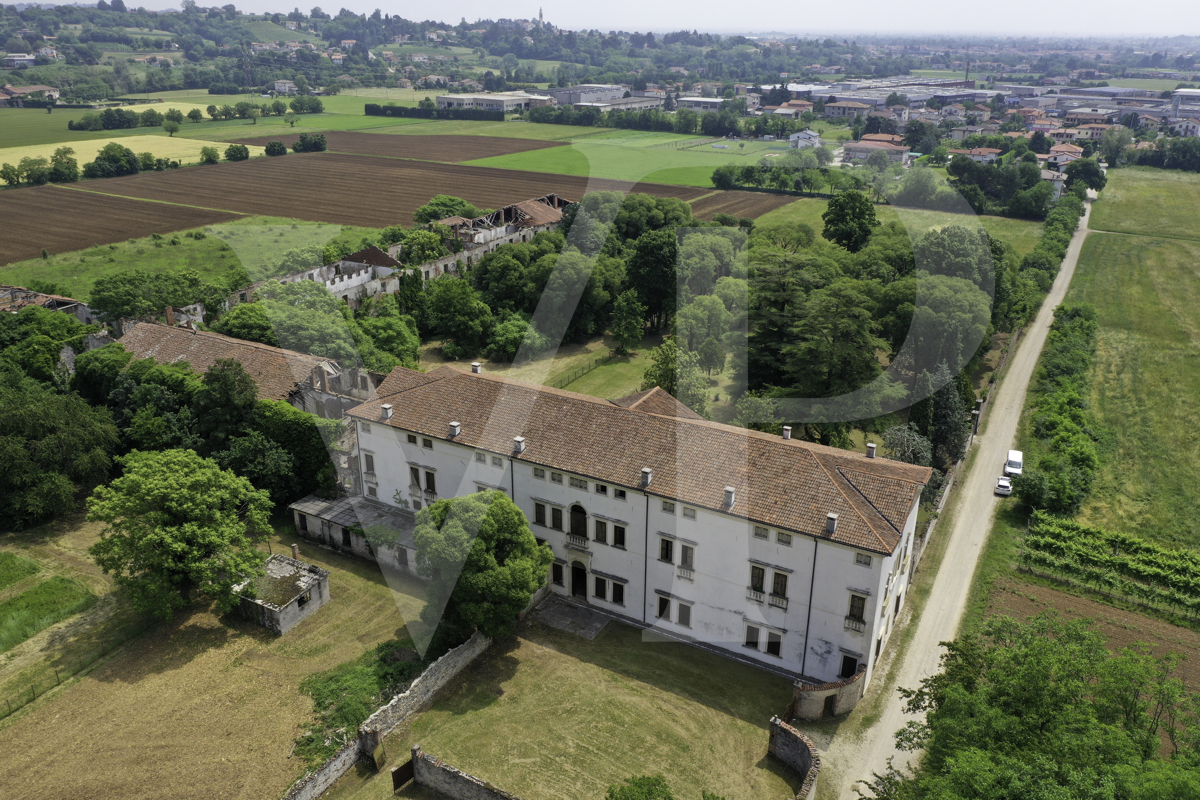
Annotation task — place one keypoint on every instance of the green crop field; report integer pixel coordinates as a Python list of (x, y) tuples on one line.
[(1154, 84), (266, 31), (1146, 390), (1020, 234), (254, 243), (1149, 202)]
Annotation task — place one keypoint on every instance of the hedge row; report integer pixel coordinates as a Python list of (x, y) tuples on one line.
[(390, 110)]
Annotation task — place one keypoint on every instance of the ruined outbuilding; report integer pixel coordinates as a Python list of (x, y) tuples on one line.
[(289, 592)]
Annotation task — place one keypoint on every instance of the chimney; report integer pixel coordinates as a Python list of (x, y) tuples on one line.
[(169, 313), (730, 496), (647, 475), (455, 429), (387, 410), (831, 523), (787, 431), (476, 367), (518, 444), (870, 449), (296, 551)]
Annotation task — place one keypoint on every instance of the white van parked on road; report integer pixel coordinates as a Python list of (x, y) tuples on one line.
[(1014, 464)]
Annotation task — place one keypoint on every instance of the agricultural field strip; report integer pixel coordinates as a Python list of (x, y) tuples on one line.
[(48, 217), (357, 190), (186, 151), (448, 148), (84, 188)]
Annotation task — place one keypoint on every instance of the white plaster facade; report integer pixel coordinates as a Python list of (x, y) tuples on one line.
[(712, 595)]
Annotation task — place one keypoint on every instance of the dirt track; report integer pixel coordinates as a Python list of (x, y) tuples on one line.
[(851, 760)]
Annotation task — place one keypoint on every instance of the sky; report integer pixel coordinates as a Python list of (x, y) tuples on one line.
[(1155, 18)]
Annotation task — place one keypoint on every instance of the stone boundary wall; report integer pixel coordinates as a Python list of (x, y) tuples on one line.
[(427, 684), (371, 732), (431, 771), (314, 784), (808, 701), (797, 751)]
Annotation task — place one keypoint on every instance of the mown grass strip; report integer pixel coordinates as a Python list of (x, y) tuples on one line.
[(13, 568), (34, 610)]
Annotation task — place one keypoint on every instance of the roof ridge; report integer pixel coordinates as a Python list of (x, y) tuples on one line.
[(864, 496), (237, 341), (837, 479)]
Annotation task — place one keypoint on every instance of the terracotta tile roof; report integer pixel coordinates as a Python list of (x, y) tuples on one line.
[(657, 401), (787, 484), (277, 372)]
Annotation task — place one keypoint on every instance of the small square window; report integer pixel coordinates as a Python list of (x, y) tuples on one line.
[(538, 472), (372, 492), (412, 439), (664, 608), (601, 531), (601, 589), (666, 550), (579, 483), (601, 488), (774, 643), (862, 559), (668, 507), (480, 458), (618, 593), (364, 427), (428, 443), (619, 494), (539, 514), (689, 513), (416, 505), (783, 538), (684, 615), (497, 461), (619, 536), (761, 533), (556, 477), (752, 637)]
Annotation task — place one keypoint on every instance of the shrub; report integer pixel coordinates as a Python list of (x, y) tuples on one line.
[(209, 155), (310, 143), (237, 152), (276, 149)]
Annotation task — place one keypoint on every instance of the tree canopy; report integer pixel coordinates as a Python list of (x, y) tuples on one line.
[(178, 526)]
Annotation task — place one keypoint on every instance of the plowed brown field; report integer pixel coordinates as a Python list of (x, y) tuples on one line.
[(1118, 626), (451, 149), (739, 204), (61, 220), (354, 190)]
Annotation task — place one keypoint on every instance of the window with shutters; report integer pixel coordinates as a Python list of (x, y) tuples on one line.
[(556, 477), (556, 519), (412, 438), (619, 536), (689, 513), (539, 473), (862, 559), (858, 607), (779, 586), (774, 643), (618, 593), (783, 538), (481, 458), (430, 482), (601, 589), (761, 533), (601, 531), (752, 637), (427, 443), (539, 514), (414, 476), (666, 551), (369, 463), (497, 461), (683, 615), (668, 507), (664, 608), (758, 577), (579, 483), (687, 556)]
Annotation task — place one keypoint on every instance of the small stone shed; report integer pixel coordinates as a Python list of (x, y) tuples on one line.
[(290, 592)]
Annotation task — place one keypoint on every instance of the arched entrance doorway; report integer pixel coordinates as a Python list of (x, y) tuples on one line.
[(578, 521), (578, 580)]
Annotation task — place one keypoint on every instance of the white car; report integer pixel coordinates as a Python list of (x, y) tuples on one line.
[(1004, 486)]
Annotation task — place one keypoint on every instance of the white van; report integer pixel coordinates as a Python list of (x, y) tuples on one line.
[(1015, 463)]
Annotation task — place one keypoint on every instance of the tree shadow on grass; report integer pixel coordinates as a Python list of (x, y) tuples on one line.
[(724, 685), (171, 646)]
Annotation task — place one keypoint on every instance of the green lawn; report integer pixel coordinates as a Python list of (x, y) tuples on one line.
[(1150, 202), (1146, 390), (552, 715), (14, 568), (617, 377), (256, 243), (513, 129), (36, 609), (1021, 234), (267, 31)]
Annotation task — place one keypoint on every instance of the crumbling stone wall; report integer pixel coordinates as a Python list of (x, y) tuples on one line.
[(436, 675), (797, 751), (314, 784), (431, 771)]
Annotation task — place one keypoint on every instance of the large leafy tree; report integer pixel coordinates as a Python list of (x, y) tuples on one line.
[(51, 445), (652, 274), (225, 402), (482, 562), (849, 220), (628, 321), (178, 526), (677, 372), (1043, 709)]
